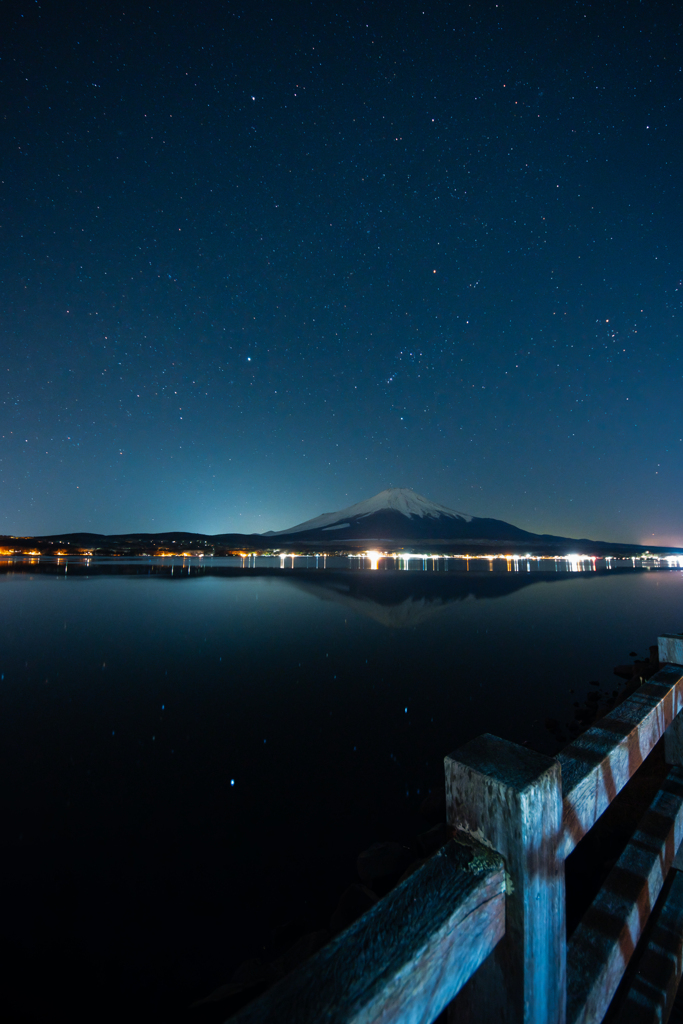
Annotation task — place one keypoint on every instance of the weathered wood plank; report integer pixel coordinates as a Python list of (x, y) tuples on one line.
[(511, 798), (652, 991), (598, 763), (673, 742), (670, 647), (604, 941), (406, 958), (673, 754)]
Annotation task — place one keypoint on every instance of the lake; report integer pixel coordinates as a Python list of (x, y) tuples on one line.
[(194, 755)]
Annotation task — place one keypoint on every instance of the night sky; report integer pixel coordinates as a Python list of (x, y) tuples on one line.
[(260, 261)]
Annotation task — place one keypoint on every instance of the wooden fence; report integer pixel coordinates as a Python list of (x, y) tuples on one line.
[(481, 927)]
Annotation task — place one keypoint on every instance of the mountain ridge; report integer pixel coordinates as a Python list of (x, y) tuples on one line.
[(383, 518), (397, 518)]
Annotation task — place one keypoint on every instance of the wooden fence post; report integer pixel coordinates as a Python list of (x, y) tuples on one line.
[(670, 648), (510, 798)]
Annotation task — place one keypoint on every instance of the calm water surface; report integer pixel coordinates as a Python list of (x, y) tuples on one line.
[(191, 761)]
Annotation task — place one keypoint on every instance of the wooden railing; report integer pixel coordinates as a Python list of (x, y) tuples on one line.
[(481, 927)]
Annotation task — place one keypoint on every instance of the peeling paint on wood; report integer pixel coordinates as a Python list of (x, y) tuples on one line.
[(598, 764), (604, 941), (407, 957), (511, 799), (652, 991), (673, 742), (670, 648)]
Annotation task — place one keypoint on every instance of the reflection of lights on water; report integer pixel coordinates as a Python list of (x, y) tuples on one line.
[(575, 563), (373, 557), (391, 560), (430, 562)]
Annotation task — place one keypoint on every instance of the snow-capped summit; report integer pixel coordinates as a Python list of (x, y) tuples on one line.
[(398, 515), (395, 499)]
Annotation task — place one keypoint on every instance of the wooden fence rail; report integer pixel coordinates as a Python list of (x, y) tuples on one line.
[(481, 927), (494, 792), (408, 956)]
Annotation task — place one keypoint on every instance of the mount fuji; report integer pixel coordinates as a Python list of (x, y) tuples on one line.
[(397, 517), (399, 514)]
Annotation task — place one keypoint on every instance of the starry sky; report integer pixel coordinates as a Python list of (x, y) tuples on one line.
[(261, 260)]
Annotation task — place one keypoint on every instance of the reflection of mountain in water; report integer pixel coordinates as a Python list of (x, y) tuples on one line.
[(402, 600), (396, 598), (409, 612)]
